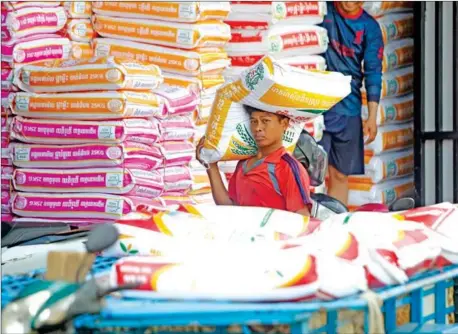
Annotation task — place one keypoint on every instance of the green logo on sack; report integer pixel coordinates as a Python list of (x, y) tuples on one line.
[(254, 76), (391, 169), (390, 113), (390, 195), (238, 148)]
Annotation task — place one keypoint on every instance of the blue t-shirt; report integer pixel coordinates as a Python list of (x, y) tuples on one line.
[(352, 40)]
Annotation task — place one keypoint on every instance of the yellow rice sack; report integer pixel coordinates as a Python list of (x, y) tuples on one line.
[(385, 166), (78, 9), (395, 83), (178, 35), (79, 30), (392, 110), (202, 82), (166, 11), (88, 105), (396, 26), (391, 138), (228, 135), (398, 54), (385, 193), (87, 75), (290, 91), (193, 62), (81, 50), (379, 8)]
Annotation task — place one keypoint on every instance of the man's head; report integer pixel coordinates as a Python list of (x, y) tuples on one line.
[(267, 128), (350, 7)]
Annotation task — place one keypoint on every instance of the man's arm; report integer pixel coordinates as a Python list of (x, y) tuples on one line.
[(219, 191), (373, 56)]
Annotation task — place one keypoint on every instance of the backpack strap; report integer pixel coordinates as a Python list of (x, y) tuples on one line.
[(292, 163)]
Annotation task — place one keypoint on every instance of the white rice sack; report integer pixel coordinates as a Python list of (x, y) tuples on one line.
[(392, 110), (386, 166), (396, 26), (398, 54), (130, 155), (45, 205), (294, 40), (193, 62), (87, 75), (166, 11), (178, 35), (36, 131), (16, 5), (391, 138), (395, 83), (385, 192), (178, 100), (132, 182), (32, 21), (309, 62), (78, 9), (379, 8), (228, 135), (88, 105), (36, 48), (260, 15), (286, 90), (80, 30)]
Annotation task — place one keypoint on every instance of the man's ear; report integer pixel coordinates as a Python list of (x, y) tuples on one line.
[(285, 122)]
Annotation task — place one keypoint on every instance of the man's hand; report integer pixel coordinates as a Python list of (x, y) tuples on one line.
[(199, 147), (370, 130)]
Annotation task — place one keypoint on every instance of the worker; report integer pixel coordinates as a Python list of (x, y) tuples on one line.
[(354, 39), (272, 178)]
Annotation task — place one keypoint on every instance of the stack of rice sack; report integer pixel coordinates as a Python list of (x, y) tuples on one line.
[(389, 159), (79, 28), (271, 86), (185, 39), (85, 139)]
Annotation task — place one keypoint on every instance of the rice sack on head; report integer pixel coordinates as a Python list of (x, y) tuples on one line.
[(300, 94), (271, 87)]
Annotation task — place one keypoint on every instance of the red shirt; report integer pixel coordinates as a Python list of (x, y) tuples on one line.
[(278, 181)]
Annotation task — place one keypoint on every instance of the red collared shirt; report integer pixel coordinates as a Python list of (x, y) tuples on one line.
[(277, 181)]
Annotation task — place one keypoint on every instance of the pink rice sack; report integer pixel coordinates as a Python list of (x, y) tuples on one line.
[(16, 5), (177, 153), (130, 155), (46, 205), (37, 131), (179, 100), (123, 181), (6, 201), (177, 128), (35, 49), (176, 179), (30, 21)]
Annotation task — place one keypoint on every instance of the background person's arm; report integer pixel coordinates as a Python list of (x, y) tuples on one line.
[(373, 56)]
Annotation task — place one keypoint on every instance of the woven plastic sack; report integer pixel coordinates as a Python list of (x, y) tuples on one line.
[(167, 11), (386, 166), (81, 50), (396, 26), (78, 9), (293, 92), (88, 75), (379, 8), (385, 192), (391, 138), (392, 110), (79, 30), (16, 5), (178, 35), (398, 54)]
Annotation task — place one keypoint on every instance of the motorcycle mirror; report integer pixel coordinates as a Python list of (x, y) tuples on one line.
[(403, 204), (101, 237)]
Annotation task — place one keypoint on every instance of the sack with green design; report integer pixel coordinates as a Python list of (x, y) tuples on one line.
[(272, 87)]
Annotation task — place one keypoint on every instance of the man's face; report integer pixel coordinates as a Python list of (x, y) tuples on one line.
[(267, 128), (350, 7)]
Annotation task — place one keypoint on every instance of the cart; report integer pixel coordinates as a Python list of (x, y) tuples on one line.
[(348, 315)]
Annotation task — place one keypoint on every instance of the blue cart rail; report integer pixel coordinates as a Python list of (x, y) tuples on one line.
[(133, 315)]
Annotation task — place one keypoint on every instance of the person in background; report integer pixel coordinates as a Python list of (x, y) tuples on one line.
[(355, 39), (273, 178)]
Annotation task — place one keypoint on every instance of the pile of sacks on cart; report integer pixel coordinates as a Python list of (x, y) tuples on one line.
[(259, 254)]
